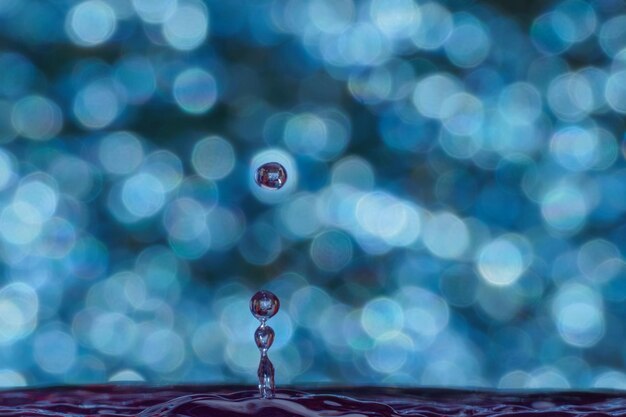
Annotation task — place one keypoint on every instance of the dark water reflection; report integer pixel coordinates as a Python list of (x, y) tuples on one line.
[(232, 401)]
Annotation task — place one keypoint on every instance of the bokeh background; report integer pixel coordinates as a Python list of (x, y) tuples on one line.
[(454, 215)]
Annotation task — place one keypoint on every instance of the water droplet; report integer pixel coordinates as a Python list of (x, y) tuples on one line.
[(264, 305), (271, 175), (264, 337)]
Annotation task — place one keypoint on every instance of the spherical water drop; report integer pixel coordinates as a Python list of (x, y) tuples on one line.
[(271, 175), (264, 305)]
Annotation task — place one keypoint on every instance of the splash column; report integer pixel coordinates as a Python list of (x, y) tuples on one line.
[(264, 305)]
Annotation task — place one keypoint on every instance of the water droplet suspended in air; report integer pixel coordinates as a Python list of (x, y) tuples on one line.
[(264, 305), (271, 175)]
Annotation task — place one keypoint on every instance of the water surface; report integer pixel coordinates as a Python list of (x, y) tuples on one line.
[(234, 401)]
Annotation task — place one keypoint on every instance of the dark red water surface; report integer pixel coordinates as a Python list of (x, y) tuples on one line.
[(233, 401)]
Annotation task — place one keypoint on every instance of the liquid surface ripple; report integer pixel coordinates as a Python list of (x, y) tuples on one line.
[(233, 401)]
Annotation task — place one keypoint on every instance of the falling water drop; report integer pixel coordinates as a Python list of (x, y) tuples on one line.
[(271, 175), (264, 305)]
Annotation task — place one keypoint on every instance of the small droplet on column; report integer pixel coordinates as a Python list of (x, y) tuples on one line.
[(264, 305), (264, 337)]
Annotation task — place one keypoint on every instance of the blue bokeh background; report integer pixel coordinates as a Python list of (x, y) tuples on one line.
[(454, 215)]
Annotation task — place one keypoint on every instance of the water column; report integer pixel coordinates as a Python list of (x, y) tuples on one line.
[(264, 305)]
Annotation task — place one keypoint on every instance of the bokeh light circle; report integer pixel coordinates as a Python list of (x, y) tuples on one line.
[(213, 158), (446, 235), (187, 26), (37, 117), (195, 90), (331, 251), (120, 153), (91, 23), (500, 262), (577, 311)]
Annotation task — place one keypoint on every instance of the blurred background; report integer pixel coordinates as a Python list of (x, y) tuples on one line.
[(454, 214)]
